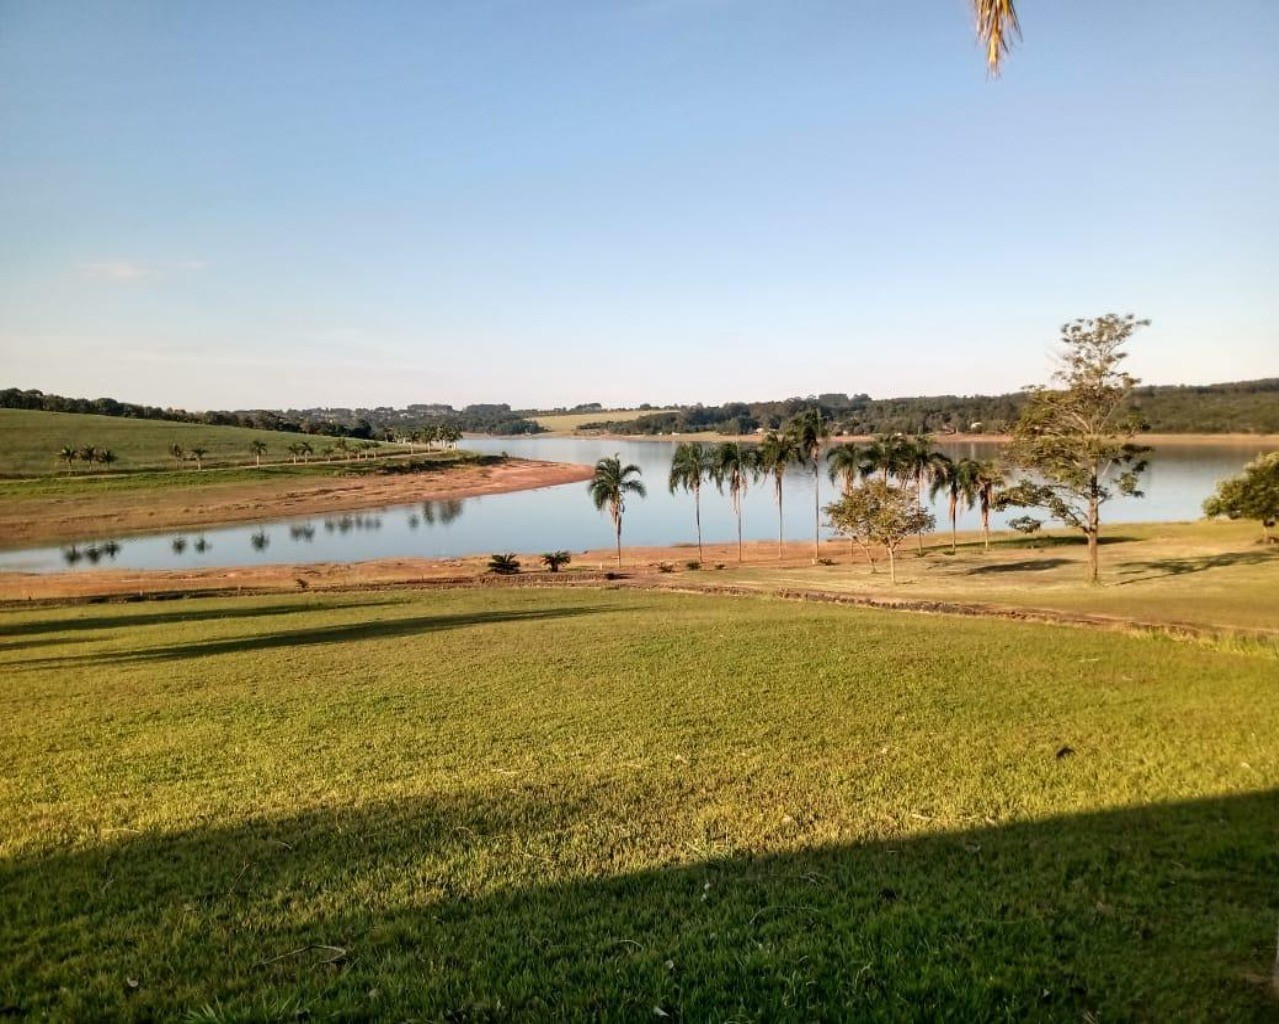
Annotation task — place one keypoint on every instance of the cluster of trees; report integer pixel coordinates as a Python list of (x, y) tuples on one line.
[(1073, 449), (88, 454)]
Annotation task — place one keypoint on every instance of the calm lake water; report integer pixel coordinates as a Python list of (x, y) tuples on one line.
[(555, 518)]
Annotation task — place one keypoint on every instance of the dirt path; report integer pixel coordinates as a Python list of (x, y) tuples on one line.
[(56, 519)]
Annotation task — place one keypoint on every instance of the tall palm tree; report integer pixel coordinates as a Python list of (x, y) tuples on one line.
[(844, 465), (776, 453), (958, 479), (733, 464), (988, 479), (810, 431), (609, 487), (885, 455), (259, 449), (919, 465), (690, 465)]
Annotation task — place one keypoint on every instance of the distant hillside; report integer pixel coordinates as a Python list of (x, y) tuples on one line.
[(30, 441)]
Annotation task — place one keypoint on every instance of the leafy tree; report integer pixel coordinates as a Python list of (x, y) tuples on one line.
[(504, 564), (880, 514), (776, 453), (958, 479), (732, 466), (259, 449), (810, 431), (1077, 440), (690, 465), (609, 487), (1253, 494), (554, 559), (68, 454)]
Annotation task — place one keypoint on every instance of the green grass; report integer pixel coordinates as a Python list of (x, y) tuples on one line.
[(577, 803), (573, 420), (30, 440)]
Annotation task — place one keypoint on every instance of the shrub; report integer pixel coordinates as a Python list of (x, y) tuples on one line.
[(692, 565)]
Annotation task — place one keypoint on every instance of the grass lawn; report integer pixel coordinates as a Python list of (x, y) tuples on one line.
[(30, 441), (468, 805), (573, 420)]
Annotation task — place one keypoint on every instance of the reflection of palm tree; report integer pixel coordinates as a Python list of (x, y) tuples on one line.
[(450, 509), (609, 487), (260, 540), (689, 467), (733, 464), (201, 545), (776, 453), (179, 545), (111, 549), (71, 555)]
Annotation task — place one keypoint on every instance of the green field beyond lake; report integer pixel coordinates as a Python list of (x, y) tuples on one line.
[(468, 805)]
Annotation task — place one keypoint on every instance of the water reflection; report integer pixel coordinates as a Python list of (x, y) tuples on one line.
[(445, 511), (73, 554), (179, 545), (201, 545), (302, 531), (260, 540)]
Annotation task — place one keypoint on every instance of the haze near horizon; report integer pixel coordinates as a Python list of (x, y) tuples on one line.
[(240, 206)]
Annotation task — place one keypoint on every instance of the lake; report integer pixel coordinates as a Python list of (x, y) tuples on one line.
[(554, 518)]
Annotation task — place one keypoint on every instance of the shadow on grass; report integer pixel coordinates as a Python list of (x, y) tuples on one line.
[(194, 609), (1032, 565), (467, 908), (1163, 567), (338, 633)]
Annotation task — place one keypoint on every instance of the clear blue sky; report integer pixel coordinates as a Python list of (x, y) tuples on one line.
[(246, 204)]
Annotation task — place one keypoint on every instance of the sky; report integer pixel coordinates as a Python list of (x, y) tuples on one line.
[(241, 205)]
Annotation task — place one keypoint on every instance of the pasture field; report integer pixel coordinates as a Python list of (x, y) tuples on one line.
[(568, 421), (30, 440), (533, 803)]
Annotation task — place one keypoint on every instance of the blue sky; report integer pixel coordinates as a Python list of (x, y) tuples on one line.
[(546, 203)]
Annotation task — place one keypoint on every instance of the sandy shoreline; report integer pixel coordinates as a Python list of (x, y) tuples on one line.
[(51, 520)]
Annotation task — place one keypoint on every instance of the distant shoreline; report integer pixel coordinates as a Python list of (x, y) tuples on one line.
[(1263, 440)]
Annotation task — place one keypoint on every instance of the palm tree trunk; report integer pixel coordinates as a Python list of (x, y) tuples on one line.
[(779, 518), (617, 522), (737, 508), (817, 509), (954, 515), (697, 516), (892, 566)]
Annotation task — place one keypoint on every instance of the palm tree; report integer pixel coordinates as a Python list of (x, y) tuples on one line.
[(106, 456), (295, 449), (88, 455), (885, 455), (609, 487), (176, 453), (776, 453), (844, 465), (988, 478), (958, 478), (198, 454), (996, 25), (68, 455), (810, 430), (259, 449), (733, 464), (690, 465), (554, 559), (306, 450), (920, 463)]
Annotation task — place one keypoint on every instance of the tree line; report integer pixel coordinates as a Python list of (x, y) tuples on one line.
[(1246, 407)]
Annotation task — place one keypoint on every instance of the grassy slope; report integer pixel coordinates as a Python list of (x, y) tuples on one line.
[(29, 441), (599, 803), (573, 420)]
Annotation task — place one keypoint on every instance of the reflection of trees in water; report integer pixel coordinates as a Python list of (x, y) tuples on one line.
[(179, 545), (302, 531), (443, 511), (415, 521), (92, 553), (201, 545), (260, 540), (347, 523)]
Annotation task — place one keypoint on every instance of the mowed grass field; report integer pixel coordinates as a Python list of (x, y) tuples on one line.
[(30, 441), (476, 804), (573, 420)]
